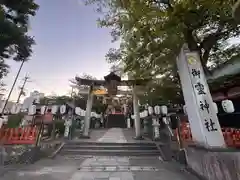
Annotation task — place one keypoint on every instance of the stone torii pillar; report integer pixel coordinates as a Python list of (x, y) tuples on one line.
[(87, 118), (137, 122)]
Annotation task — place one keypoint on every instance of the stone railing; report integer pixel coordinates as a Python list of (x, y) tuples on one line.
[(214, 164)]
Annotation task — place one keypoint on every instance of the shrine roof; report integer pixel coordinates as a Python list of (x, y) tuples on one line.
[(224, 82), (88, 82), (225, 76), (230, 67), (112, 76)]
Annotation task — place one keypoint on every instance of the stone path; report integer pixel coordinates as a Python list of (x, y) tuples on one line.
[(113, 135), (101, 167), (112, 168)]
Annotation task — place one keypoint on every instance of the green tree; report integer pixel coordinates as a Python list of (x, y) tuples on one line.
[(152, 33), (14, 23), (167, 91), (2, 87)]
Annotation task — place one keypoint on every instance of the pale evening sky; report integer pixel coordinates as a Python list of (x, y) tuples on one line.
[(69, 42)]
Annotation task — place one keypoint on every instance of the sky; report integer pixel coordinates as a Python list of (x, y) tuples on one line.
[(68, 42)]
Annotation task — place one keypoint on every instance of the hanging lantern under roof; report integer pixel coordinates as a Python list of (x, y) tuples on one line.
[(55, 109), (43, 109), (32, 110), (63, 109)]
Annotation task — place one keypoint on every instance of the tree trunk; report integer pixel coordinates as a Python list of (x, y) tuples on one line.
[(193, 46)]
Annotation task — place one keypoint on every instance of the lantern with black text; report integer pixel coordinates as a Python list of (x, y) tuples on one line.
[(63, 109), (228, 106), (32, 110), (54, 109)]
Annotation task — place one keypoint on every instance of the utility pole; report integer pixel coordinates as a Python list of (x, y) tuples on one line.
[(22, 88), (10, 92)]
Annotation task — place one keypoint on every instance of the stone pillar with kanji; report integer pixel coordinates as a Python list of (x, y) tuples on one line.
[(202, 115)]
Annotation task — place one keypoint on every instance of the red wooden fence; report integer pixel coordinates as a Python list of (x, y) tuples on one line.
[(10, 136), (231, 135)]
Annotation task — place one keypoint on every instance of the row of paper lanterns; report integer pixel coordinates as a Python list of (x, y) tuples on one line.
[(54, 109), (157, 110), (227, 105)]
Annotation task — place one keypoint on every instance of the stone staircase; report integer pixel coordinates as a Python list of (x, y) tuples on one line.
[(109, 149)]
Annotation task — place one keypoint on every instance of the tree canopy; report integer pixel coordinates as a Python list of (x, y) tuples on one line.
[(14, 22), (151, 33)]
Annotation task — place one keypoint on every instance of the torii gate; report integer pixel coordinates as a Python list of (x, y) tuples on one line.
[(111, 82)]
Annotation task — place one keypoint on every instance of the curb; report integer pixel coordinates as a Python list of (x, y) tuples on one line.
[(53, 155), (193, 172), (157, 143)]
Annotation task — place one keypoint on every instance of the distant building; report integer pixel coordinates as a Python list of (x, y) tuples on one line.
[(8, 107), (36, 93), (35, 96)]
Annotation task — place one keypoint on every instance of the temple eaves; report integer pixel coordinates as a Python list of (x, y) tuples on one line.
[(88, 82)]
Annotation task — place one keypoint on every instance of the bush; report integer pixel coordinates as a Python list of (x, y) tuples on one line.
[(14, 120), (59, 126)]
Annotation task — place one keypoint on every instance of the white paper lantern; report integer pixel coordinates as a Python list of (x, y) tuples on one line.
[(125, 108), (43, 109), (1, 122), (228, 106), (81, 112), (215, 107), (145, 112), (157, 110), (150, 110), (37, 99), (78, 111), (19, 108), (185, 109), (32, 110), (98, 116), (63, 109), (164, 110), (15, 109), (54, 109)]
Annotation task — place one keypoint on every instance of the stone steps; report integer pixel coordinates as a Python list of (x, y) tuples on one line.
[(110, 149)]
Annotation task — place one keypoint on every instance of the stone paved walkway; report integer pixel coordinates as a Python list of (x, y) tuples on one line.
[(101, 168)]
